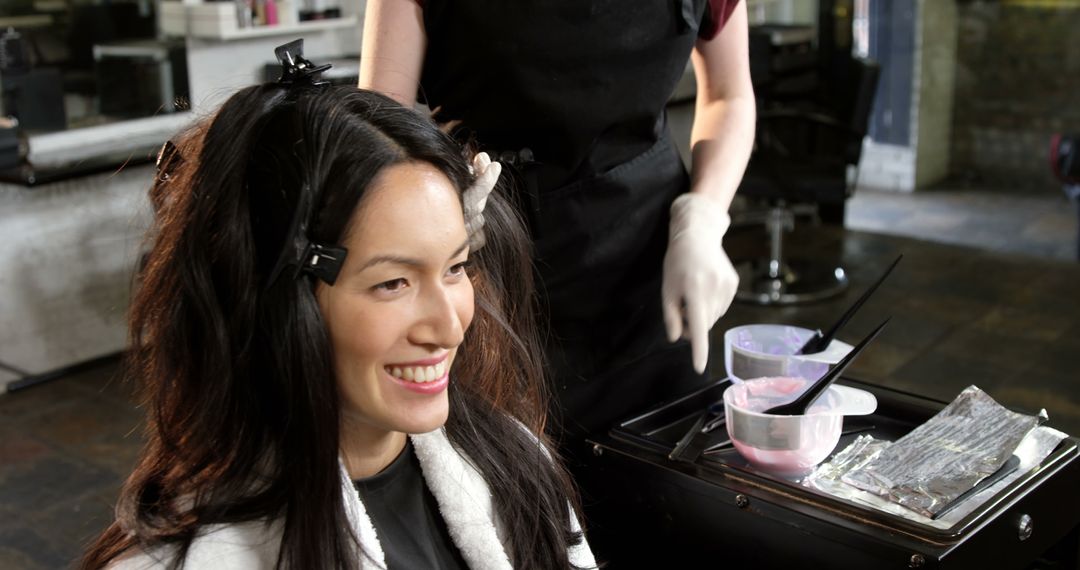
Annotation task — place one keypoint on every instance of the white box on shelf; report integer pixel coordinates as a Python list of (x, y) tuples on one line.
[(173, 18), (212, 19), (288, 14)]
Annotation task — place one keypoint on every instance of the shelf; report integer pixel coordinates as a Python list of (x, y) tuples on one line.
[(299, 28), (216, 22)]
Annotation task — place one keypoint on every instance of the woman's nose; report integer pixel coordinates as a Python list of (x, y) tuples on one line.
[(440, 322)]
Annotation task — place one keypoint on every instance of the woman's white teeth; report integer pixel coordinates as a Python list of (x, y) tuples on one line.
[(419, 373)]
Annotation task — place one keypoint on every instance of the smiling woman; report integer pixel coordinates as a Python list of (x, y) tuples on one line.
[(333, 378), (398, 312)]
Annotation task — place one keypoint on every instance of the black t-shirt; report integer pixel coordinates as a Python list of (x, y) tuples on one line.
[(406, 516), (581, 83)]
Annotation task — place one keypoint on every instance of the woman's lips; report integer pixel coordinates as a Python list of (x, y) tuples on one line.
[(428, 376)]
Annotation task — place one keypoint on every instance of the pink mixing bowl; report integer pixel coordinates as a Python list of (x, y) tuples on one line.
[(790, 446)]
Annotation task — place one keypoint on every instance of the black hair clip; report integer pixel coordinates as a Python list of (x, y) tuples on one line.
[(304, 256), (300, 253), (295, 69), (321, 261)]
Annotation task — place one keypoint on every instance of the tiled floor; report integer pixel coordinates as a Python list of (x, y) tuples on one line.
[(65, 448)]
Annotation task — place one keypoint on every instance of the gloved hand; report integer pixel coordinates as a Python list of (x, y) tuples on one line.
[(699, 280), (475, 198)]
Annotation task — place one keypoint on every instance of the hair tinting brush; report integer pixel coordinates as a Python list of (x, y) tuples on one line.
[(819, 341), (798, 406)]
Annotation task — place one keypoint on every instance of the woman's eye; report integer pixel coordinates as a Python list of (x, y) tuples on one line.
[(459, 269), (392, 285)]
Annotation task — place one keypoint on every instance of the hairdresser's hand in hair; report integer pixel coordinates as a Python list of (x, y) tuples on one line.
[(475, 198), (699, 280)]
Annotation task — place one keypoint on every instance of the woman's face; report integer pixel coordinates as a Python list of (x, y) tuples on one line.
[(401, 304)]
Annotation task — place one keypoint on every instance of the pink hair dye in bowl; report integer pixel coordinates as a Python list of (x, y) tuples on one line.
[(789, 446)]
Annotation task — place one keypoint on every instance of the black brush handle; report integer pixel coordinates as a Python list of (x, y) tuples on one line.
[(798, 406), (819, 341)]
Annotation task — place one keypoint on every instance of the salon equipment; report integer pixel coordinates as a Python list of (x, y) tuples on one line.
[(140, 78), (692, 445), (11, 148), (807, 399), (758, 350), (672, 514), (805, 158), (850, 428), (32, 95), (684, 450), (717, 420), (819, 341), (941, 459), (1065, 164), (789, 445)]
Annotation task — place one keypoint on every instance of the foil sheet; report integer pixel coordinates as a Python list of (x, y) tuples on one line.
[(920, 474)]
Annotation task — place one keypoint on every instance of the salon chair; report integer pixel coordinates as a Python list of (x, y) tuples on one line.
[(805, 158), (1065, 164)]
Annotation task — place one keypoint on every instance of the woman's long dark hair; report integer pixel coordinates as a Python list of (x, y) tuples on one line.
[(236, 374)]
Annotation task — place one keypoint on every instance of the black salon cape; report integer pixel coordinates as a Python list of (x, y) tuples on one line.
[(406, 517)]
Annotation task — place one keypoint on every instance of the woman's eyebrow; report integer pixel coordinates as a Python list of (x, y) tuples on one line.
[(461, 248), (395, 259), (409, 261)]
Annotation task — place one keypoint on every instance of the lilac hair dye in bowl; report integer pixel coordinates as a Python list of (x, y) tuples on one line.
[(766, 350)]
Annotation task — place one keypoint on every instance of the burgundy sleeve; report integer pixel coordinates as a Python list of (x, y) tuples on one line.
[(716, 15)]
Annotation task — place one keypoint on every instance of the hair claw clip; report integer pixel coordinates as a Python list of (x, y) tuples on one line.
[(320, 261), (296, 69), (304, 256), (323, 261)]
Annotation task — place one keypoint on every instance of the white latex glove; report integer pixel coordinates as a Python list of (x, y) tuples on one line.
[(475, 198), (699, 280)]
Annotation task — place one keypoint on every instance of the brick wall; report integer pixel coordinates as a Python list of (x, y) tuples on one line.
[(1017, 82)]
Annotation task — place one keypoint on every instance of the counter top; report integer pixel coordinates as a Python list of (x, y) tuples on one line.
[(78, 152)]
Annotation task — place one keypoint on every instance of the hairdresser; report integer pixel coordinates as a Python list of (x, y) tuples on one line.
[(571, 96)]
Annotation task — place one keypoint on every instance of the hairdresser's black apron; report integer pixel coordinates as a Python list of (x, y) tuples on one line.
[(572, 92)]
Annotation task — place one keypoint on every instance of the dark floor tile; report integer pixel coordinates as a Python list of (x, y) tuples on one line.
[(16, 406), (1041, 388), (12, 559), (106, 381), (1053, 292), (51, 480), (118, 455), (1024, 324), (74, 524), (942, 376), (19, 448), (26, 549), (1009, 354), (85, 419), (908, 331), (880, 361)]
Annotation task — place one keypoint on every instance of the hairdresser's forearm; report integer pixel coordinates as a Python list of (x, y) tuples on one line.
[(723, 132), (392, 55), (721, 140)]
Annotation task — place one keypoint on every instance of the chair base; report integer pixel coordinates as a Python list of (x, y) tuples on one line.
[(796, 281)]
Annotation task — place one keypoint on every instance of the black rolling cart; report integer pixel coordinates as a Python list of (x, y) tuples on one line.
[(718, 512)]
